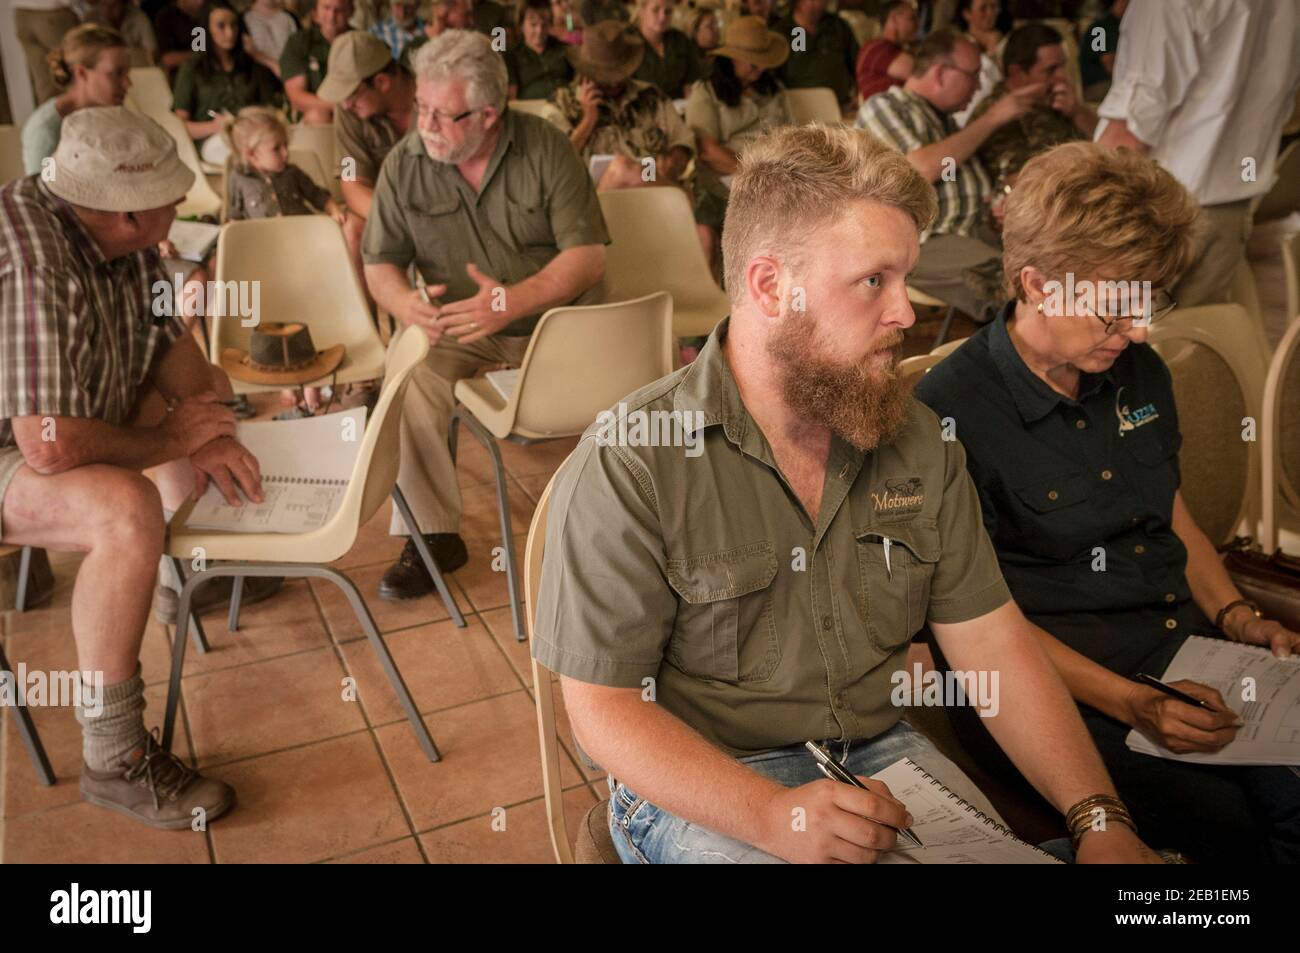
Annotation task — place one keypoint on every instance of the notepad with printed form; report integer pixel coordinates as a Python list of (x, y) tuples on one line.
[(306, 465), (953, 830)]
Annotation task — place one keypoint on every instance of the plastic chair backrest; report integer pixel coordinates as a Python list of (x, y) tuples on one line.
[(582, 360), (377, 463), (320, 140), (912, 369), (654, 247), (816, 104), (201, 198), (1218, 375), (539, 107), (864, 28), (543, 688), (150, 93), (1279, 445), (1284, 197), (11, 154), (304, 274)]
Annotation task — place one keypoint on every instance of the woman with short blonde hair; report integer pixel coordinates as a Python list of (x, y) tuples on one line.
[(91, 67), (1071, 435)]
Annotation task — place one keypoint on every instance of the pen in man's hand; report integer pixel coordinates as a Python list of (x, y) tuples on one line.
[(837, 772)]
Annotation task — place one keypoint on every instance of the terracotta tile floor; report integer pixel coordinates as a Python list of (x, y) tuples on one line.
[(321, 778)]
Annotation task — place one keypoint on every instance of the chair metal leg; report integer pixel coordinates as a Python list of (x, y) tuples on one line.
[(27, 729), (453, 432), (503, 509), (386, 660), (195, 626), (183, 620), (236, 594), (422, 547), (943, 329), (24, 573)]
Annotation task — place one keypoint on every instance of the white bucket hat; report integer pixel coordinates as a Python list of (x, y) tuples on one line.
[(115, 160)]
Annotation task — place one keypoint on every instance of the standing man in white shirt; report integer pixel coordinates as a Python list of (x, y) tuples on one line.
[(1203, 87)]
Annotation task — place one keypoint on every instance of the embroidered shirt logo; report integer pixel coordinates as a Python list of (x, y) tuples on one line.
[(899, 496), (1132, 419)]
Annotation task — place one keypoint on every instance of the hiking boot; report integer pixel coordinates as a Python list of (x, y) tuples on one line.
[(156, 788), (212, 594), (408, 579)]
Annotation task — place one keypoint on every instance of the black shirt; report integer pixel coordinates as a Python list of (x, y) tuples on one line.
[(1066, 484)]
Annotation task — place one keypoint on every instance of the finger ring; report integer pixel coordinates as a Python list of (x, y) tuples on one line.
[(473, 325)]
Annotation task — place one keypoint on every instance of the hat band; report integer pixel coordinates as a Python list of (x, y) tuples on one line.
[(749, 49), (286, 366)]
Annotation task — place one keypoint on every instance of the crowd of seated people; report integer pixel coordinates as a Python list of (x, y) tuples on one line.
[(969, 162)]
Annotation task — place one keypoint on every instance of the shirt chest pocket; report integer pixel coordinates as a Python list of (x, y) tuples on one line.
[(1054, 521), (439, 237), (895, 567), (529, 223), (726, 624)]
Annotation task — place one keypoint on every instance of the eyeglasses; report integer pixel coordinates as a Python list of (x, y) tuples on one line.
[(1159, 306), (441, 117)]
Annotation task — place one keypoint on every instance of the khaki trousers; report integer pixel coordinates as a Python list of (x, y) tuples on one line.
[(427, 474), (40, 31), (1220, 248)]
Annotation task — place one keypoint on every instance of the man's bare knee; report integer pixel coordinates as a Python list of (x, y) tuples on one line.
[(126, 511)]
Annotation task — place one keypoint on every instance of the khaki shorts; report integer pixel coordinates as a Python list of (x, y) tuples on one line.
[(11, 458)]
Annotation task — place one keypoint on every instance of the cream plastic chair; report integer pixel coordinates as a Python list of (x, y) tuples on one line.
[(580, 361), (1291, 263), (1280, 441), (917, 296), (817, 104), (320, 140), (654, 247), (1284, 197), (374, 478), (11, 154), (150, 92), (594, 844), (912, 369), (539, 107), (864, 28), (305, 275), (1218, 375), (201, 199)]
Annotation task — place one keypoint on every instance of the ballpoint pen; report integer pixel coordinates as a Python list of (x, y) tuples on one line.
[(837, 772)]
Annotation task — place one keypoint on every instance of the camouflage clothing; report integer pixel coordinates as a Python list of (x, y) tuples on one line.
[(1006, 151), (641, 122)]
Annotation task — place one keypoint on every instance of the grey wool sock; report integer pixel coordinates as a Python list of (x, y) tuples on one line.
[(108, 737)]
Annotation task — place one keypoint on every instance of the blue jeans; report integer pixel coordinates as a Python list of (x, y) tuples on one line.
[(646, 834)]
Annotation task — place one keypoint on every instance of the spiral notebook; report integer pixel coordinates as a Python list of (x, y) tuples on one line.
[(306, 465), (953, 830)]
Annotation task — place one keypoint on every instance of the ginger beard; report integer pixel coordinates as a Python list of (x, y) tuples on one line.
[(865, 403)]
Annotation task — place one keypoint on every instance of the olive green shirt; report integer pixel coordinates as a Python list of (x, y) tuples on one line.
[(305, 52), (537, 199), (680, 65), (693, 566), (537, 75), (366, 141), (828, 57), (204, 94)]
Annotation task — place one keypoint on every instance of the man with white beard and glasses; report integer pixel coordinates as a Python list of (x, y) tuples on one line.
[(501, 220), (710, 612)]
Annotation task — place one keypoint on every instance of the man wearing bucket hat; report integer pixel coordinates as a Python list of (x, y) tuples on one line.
[(500, 219), (98, 383), (377, 95), (734, 105), (607, 112)]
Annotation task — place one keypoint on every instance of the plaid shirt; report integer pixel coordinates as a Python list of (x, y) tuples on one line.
[(902, 119), (396, 35), (78, 335)]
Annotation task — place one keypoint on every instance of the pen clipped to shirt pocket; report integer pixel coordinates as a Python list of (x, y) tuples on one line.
[(895, 565)]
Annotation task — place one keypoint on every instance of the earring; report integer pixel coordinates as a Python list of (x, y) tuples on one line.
[(1040, 307)]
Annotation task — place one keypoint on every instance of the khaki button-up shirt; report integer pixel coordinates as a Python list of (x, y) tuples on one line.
[(536, 200), (692, 569), (366, 142)]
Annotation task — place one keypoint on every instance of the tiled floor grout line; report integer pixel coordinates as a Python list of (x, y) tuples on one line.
[(370, 727)]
